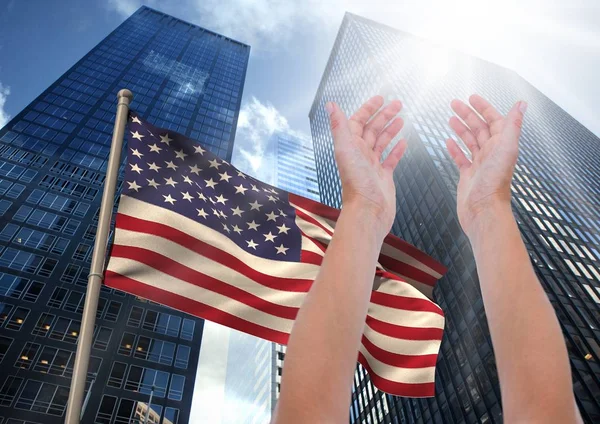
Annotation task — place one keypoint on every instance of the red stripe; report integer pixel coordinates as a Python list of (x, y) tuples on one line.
[(396, 388), (407, 333), (198, 309), (333, 214), (397, 359), (309, 257), (170, 267), (405, 302), (209, 251)]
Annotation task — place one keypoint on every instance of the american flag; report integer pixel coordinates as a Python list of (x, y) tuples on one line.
[(194, 233)]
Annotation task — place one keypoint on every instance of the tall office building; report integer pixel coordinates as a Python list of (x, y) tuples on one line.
[(556, 202), (52, 162)]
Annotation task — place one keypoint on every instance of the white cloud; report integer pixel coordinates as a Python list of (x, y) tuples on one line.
[(4, 116), (257, 124)]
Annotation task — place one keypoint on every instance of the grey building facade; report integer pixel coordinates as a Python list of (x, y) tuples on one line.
[(556, 194), (52, 167)]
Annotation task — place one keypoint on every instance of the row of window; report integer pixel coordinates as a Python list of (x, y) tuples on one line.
[(146, 380), (154, 350), (126, 411), (162, 323)]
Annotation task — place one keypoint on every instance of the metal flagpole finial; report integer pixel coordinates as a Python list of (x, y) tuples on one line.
[(125, 96)]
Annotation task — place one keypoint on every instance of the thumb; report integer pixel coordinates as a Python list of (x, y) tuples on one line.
[(339, 123), (514, 122)]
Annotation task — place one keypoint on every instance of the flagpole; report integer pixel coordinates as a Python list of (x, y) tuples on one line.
[(95, 277)]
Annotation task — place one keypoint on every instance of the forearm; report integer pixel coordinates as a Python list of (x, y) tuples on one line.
[(322, 350), (530, 351)]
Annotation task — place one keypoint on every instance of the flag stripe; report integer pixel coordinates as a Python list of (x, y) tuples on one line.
[(404, 331), (205, 249), (407, 389), (193, 307), (399, 360)]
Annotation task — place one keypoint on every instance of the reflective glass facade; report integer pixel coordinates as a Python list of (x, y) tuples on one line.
[(295, 165), (556, 194), (52, 162)]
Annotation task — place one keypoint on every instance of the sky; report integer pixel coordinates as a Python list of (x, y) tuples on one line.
[(554, 44)]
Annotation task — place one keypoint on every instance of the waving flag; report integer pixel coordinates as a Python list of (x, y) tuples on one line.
[(194, 233)]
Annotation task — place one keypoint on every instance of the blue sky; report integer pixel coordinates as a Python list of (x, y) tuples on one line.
[(554, 44)]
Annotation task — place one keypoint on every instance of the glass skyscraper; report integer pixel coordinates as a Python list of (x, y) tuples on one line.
[(556, 194), (52, 168), (295, 170)]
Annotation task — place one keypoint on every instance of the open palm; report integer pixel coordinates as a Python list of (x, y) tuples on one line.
[(494, 145), (359, 143)]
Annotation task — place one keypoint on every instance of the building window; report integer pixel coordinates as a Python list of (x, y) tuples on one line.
[(43, 325), (130, 411), (66, 330), (187, 329), (154, 350), (162, 323), (102, 338), (5, 343), (70, 273), (107, 407), (9, 390), (17, 319), (43, 397), (58, 297), (141, 380), (27, 355), (183, 356), (176, 387), (74, 302), (171, 416), (117, 374), (33, 291), (5, 310), (135, 316), (126, 345), (112, 313)]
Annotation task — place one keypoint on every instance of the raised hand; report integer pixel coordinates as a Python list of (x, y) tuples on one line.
[(494, 145), (359, 143)]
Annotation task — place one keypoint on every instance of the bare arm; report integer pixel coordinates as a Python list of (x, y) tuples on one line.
[(323, 346), (531, 355)]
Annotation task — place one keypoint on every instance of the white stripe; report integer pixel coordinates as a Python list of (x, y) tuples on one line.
[(402, 346), (159, 280), (146, 211), (397, 374), (208, 267)]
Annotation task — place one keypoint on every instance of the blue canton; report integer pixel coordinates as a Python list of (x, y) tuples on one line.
[(174, 172)]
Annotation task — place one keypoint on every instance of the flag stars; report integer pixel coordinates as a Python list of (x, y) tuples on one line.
[(214, 163), (179, 154), (271, 198), (201, 196), (254, 188), (241, 174), (187, 196), (282, 249), (169, 199), (137, 135), (225, 176), (155, 148), (186, 179), (251, 244), (253, 225), (170, 181), (136, 120), (202, 213), (220, 199), (270, 237), (136, 152), (226, 228), (134, 186), (237, 229), (152, 183), (171, 165), (240, 189), (199, 149), (165, 139), (272, 216), (216, 213), (237, 211), (283, 215), (210, 183), (135, 168), (195, 170), (283, 229), (255, 206), (153, 166)]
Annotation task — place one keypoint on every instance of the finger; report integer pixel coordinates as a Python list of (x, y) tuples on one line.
[(395, 155), (477, 125), (339, 123), (388, 135), (361, 117), (513, 124), (379, 121), (464, 133), (457, 154), (492, 117)]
